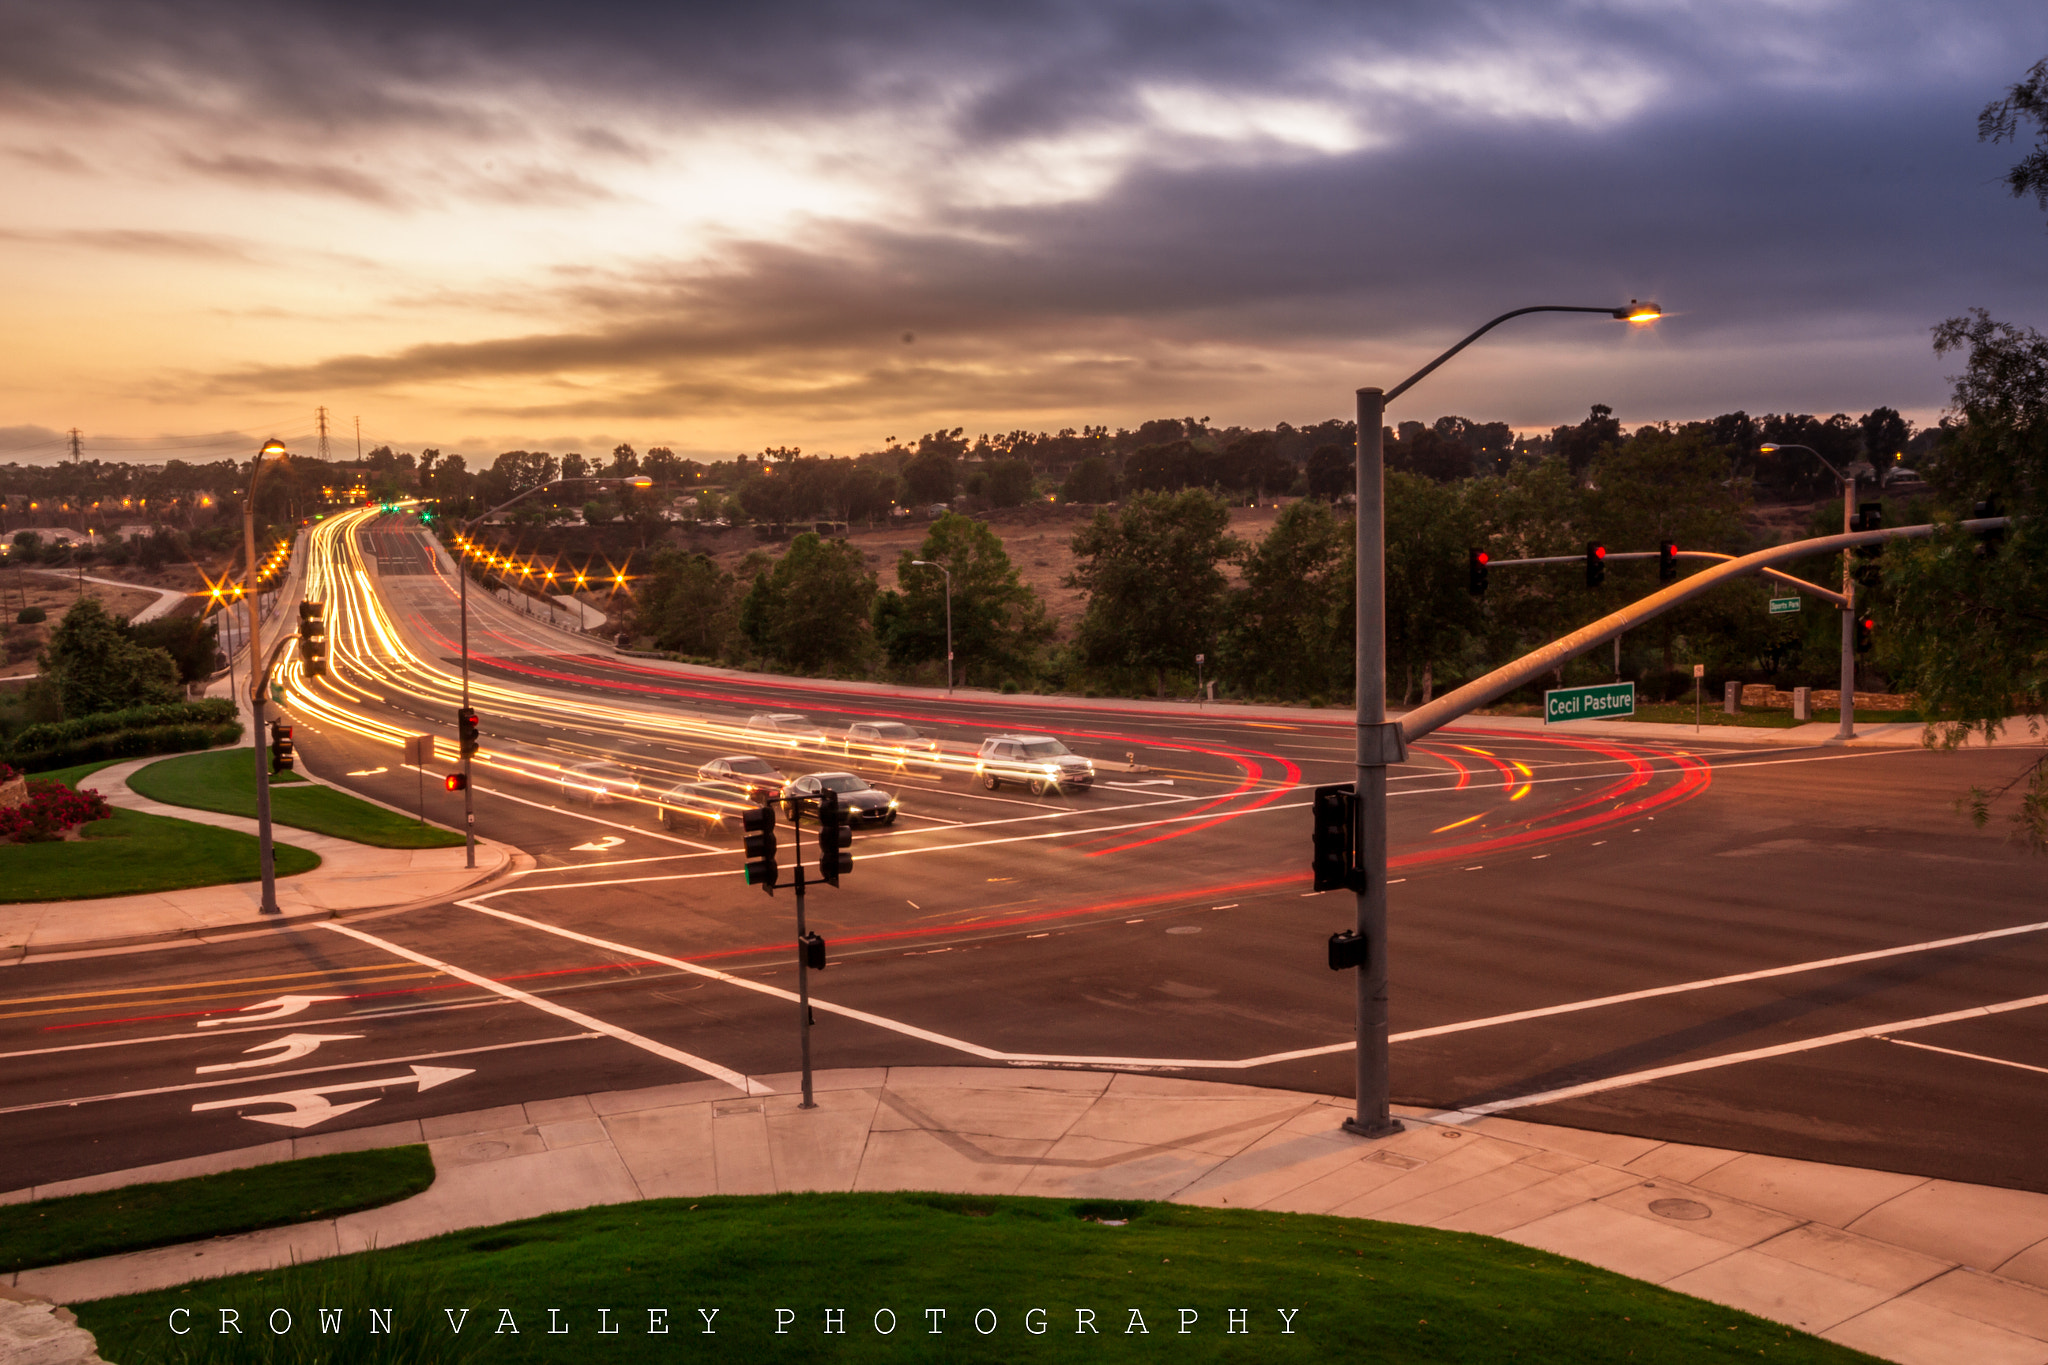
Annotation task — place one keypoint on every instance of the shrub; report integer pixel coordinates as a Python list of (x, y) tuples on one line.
[(51, 809), (211, 711), (31, 616), (139, 743)]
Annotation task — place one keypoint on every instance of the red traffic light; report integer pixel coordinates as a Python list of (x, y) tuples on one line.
[(1599, 552), (1483, 557), (455, 782)]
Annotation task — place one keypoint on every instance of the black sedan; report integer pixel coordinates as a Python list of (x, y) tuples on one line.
[(860, 803)]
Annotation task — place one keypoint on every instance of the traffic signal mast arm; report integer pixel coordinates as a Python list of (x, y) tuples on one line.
[(1505, 679), (1613, 557)]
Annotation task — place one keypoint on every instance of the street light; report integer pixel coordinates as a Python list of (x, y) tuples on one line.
[(462, 573), (1379, 742), (1847, 729), (949, 618), (266, 855)]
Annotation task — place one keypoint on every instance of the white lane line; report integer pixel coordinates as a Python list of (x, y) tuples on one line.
[(1659, 1073), (1973, 1056), (745, 1084), (302, 1071), (1708, 983)]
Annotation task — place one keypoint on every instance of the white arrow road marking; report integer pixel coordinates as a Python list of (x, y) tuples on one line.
[(308, 1107), (295, 1045), (600, 845), (274, 1009)]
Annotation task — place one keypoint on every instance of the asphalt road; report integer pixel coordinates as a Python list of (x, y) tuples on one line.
[(1792, 931)]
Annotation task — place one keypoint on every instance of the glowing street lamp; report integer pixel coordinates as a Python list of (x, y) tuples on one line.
[(1380, 742)]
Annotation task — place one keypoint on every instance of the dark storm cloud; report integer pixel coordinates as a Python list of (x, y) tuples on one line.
[(1782, 175)]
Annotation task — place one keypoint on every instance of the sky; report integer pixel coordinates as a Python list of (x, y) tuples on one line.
[(794, 222)]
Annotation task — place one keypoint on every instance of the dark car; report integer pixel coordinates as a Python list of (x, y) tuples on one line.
[(710, 808), (860, 803), (890, 744), (757, 775)]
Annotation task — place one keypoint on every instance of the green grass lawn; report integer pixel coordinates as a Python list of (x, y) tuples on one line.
[(1358, 1291), (77, 1227), (70, 776), (225, 780), (132, 853)]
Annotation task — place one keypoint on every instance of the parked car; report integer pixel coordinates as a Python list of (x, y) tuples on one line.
[(1040, 762), (710, 808), (891, 744), (785, 730), (599, 783), (756, 776), (862, 804)]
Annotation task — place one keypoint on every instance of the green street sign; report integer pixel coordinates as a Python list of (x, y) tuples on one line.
[(1781, 605), (277, 693), (1599, 702)]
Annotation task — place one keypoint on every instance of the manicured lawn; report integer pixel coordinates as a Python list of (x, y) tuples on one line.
[(132, 853), (77, 1227), (1358, 1291), (225, 780), (70, 776)]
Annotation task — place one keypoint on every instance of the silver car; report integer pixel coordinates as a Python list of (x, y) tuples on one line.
[(599, 783)]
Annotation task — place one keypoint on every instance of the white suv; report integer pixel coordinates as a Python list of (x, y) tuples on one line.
[(1040, 762)]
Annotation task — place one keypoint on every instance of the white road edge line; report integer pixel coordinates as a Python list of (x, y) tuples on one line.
[(746, 1085), (1633, 1078)]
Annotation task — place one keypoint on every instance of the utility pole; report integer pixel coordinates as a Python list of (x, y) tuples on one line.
[(266, 853)]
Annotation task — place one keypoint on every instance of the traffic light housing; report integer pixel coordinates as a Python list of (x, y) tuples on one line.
[(1475, 572), (313, 638), (1865, 629), (1989, 541), (1334, 857), (813, 950), (280, 747), (1596, 565), (455, 782), (466, 730), (759, 825), (834, 837), (1667, 562), (1347, 950)]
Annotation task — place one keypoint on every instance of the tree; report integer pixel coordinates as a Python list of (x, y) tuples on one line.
[(931, 475), (1332, 471), (1969, 620), (811, 611), (191, 643), (96, 667), (1432, 618), (625, 463), (1885, 437), (1009, 482), (998, 621), (1155, 588), (1091, 481), (1582, 444), (2000, 120), (1292, 624), (688, 604)]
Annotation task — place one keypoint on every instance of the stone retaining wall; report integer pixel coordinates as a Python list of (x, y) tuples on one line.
[(1765, 697)]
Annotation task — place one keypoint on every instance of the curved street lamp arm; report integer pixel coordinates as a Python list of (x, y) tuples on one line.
[(1786, 445), (1407, 383)]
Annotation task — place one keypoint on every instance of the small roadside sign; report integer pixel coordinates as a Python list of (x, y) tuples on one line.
[(1699, 670), (277, 693), (1781, 605), (1599, 702)]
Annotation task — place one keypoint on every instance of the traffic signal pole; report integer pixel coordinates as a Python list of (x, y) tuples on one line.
[(1378, 744), (468, 792), (803, 967)]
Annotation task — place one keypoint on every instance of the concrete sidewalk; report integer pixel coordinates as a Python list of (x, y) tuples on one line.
[(1926, 1272), (351, 878)]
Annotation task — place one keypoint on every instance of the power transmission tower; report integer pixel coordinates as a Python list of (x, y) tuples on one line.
[(359, 440), (323, 434), (76, 437)]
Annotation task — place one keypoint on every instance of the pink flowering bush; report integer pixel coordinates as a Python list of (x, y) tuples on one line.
[(51, 809)]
